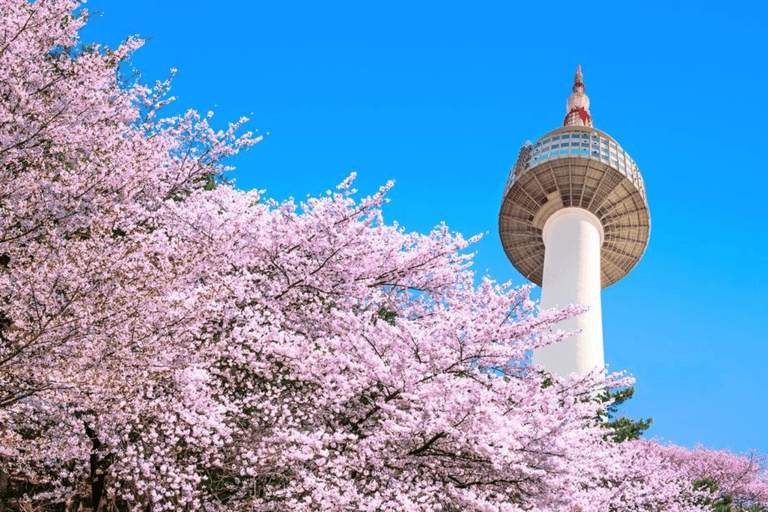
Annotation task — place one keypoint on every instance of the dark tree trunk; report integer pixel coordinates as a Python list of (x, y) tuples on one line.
[(98, 470), (4, 485)]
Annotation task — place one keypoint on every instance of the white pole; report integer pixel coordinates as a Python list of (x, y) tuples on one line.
[(572, 241)]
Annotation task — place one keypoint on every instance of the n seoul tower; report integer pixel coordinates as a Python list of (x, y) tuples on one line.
[(574, 219)]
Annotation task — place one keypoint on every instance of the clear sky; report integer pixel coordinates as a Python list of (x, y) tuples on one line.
[(439, 96)]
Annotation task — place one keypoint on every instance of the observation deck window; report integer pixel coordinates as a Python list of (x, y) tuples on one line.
[(581, 145)]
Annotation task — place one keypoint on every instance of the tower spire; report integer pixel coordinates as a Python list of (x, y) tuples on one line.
[(577, 108)]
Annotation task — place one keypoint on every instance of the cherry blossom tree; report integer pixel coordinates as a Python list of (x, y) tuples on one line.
[(86, 268), (168, 342)]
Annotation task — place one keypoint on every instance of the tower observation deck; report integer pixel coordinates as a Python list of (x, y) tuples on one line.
[(579, 173)]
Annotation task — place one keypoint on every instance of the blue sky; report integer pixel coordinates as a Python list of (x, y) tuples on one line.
[(439, 96)]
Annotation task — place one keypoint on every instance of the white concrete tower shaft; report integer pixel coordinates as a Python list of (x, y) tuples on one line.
[(572, 240)]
